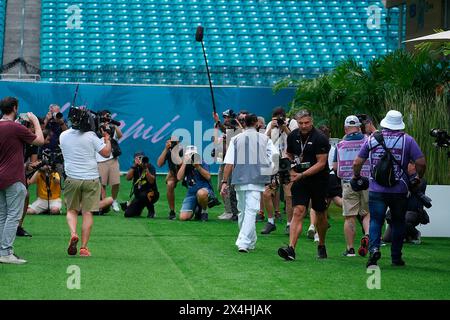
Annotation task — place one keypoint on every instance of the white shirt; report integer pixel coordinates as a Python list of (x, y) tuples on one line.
[(280, 141), (79, 150)]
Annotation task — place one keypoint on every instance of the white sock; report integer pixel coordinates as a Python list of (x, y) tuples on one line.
[(288, 224), (204, 211), (271, 220)]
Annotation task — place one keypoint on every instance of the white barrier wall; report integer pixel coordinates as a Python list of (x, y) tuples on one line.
[(439, 213)]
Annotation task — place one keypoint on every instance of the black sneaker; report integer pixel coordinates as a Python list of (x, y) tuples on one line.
[(287, 253), (234, 217), (172, 215), (151, 215), (398, 263), (204, 216), (268, 228), (321, 252), (373, 258), (21, 232), (349, 253)]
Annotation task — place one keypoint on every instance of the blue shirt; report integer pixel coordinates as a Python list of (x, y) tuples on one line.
[(200, 181)]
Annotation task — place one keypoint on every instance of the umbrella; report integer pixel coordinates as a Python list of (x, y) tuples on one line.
[(441, 36)]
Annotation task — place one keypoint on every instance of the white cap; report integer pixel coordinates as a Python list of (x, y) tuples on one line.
[(352, 121), (191, 150), (393, 120)]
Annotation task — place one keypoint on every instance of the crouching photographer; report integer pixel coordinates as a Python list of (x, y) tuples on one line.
[(48, 190), (415, 212), (144, 191), (196, 177)]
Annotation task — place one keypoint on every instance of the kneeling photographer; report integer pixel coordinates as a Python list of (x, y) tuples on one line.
[(144, 190), (48, 190), (196, 177)]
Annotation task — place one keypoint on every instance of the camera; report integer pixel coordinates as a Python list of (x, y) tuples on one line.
[(212, 201), (284, 167), (281, 121), (420, 195), (83, 119), (442, 138), (57, 115)]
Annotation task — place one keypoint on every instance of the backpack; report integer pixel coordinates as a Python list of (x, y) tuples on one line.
[(383, 172)]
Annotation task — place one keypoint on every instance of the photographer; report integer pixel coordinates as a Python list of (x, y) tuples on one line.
[(79, 146), (145, 190), (109, 168), (415, 213), (196, 177), (13, 136), (392, 190), (48, 191), (278, 130), (55, 123), (354, 202), (308, 148), (230, 126), (31, 160), (171, 151)]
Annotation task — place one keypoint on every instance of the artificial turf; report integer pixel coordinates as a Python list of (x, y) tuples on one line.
[(144, 258)]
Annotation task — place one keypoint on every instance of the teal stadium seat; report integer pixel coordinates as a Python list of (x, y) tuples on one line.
[(248, 42)]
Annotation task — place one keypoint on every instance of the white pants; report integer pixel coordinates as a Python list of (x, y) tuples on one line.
[(248, 205)]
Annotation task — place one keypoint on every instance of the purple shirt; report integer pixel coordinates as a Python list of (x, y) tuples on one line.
[(404, 150)]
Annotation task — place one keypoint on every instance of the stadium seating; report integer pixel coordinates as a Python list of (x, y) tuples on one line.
[(2, 26), (248, 42)]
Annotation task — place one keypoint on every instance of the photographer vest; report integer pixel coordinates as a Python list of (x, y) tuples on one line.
[(251, 162), (347, 151)]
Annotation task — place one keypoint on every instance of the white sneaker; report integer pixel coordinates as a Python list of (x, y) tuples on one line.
[(311, 232), (225, 216), (12, 259), (115, 206), (316, 237)]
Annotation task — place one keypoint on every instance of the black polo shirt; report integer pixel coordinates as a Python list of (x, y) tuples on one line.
[(315, 143)]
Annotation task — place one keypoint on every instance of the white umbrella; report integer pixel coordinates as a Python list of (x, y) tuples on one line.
[(441, 36)]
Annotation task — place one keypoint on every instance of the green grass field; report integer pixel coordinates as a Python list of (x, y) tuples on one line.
[(160, 259)]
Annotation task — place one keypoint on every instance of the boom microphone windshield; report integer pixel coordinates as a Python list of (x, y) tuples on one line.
[(199, 34)]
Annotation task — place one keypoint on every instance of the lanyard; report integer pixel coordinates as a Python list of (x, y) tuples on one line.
[(303, 146)]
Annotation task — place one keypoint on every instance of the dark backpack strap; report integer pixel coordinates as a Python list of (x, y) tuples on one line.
[(380, 139)]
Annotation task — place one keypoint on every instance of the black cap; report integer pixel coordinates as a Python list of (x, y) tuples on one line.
[(360, 184)]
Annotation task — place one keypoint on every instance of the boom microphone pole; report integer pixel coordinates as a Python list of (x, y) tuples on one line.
[(199, 38), (75, 96)]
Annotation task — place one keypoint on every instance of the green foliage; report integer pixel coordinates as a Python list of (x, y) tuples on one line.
[(398, 80)]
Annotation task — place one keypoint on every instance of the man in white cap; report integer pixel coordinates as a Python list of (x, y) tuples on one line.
[(392, 193), (354, 203)]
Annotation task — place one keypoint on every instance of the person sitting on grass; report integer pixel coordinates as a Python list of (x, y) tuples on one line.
[(196, 178), (48, 192)]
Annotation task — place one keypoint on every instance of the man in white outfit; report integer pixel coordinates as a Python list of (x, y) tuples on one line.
[(251, 156)]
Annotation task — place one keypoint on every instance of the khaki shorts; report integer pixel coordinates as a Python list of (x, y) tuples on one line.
[(82, 194), (354, 203), (171, 177), (109, 172), (41, 205)]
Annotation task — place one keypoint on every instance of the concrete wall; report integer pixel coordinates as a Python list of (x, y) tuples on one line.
[(31, 34)]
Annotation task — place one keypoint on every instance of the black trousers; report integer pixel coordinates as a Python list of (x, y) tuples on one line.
[(140, 202)]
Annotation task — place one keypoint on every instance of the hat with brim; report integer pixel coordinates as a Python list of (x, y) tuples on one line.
[(393, 120)]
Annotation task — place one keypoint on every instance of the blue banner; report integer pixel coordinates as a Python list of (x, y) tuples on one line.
[(149, 114)]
